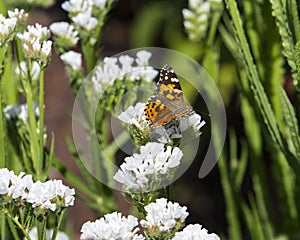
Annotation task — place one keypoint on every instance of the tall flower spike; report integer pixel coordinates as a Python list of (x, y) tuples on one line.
[(196, 19)]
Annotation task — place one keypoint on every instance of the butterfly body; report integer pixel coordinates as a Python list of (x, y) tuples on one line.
[(167, 103)]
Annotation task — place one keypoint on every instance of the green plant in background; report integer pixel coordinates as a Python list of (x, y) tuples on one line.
[(260, 41)]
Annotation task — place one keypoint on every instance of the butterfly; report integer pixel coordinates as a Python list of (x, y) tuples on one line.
[(167, 103)]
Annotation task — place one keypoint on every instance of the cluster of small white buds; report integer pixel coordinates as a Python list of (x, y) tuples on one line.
[(35, 44), (50, 195), (7, 28), (197, 16)]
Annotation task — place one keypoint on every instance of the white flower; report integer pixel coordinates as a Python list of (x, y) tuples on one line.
[(146, 73), (85, 20), (164, 216), (34, 42), (7, 27), (145, 171), (50, 195), (20, 15), (111, 226), (126, 62), (37, 31), (77, 6), (109, 71), (40, 196), (60, 235), (20, 111), (73, 59), (106, 74), (135, 116), (65, 31), (19, 185), (5, 176), (192, 121), (143, 58), (35, 70), (46, 49), (195, 232)]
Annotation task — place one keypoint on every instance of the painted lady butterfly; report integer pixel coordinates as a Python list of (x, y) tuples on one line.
[(167, 103)]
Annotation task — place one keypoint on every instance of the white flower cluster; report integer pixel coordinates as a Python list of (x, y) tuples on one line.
[(72, 59), (19, 14), (20, 112), (106, 73), (65, 33), (111, 226), (51, 194), (7, 27), (81, 12), (35, 43), (195, 232), (163, 216), (196, 18), (134, 115), (33, 234), (148, 170), (163, 219)]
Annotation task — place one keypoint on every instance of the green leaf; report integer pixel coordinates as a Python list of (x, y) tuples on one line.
[(291, 122), (262, 208), (242, 166), (234, 228), (253, 77), (287, 41), (294, 16)]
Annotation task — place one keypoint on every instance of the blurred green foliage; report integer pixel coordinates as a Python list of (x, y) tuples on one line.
[(254, 60)]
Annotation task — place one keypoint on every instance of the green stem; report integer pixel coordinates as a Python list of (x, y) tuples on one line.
[(59, 220), (41, 228), (72, 178), (119, 141), (41, 120), (15, 220), (34, 145), (3, 226), (2, 128)]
